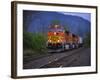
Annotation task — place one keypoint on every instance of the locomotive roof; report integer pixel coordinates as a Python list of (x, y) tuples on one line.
[(67, 32), (56, 28), (74, 35)]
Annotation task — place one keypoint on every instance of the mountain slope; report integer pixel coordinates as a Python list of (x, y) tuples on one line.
[(39, 21)]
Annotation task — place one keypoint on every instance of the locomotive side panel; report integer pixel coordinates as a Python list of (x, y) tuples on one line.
[(68, 39)]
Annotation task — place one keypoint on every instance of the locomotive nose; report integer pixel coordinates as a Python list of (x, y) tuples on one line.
[(54, 33)]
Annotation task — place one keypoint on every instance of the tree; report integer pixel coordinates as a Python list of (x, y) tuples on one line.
[(35, 42), (55, 22), (87, 40)]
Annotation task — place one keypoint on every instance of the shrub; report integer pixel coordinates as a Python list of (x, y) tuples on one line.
[(34, 41), (87, 40)]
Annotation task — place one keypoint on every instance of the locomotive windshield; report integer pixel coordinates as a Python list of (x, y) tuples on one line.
[(56, 28)]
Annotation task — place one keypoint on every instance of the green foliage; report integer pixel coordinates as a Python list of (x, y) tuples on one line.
[(27, 40), (87, 40), (55, 22), (35, 42)]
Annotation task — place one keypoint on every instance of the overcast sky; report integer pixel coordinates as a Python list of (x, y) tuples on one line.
[(86, 16)]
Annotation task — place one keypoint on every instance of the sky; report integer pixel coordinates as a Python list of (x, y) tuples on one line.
[(86, 16)]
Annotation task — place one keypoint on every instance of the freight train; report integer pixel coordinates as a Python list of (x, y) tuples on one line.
[(61, 39)]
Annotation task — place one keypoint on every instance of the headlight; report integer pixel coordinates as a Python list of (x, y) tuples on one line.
[(54, 33), (58, 41), (49, 40)]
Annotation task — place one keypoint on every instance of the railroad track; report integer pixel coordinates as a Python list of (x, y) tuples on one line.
[(71, 60), (48, 60)]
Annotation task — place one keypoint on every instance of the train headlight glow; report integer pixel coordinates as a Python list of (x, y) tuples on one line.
[(58, 41), (54, 33), (49, 40)]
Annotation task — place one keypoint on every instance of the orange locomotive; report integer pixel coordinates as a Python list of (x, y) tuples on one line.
[(58, 38)]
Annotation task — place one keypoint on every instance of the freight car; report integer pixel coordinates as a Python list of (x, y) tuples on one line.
[(60, 39)]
